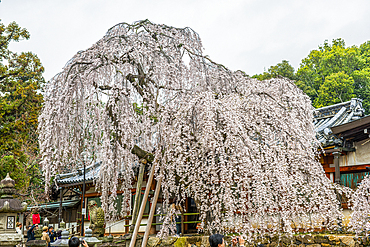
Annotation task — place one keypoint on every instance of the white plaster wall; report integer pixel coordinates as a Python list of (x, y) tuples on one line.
[(120, 227), (142, 228), (360, 157)]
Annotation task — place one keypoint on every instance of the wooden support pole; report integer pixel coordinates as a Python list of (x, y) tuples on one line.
[(337, 168), (182, 223), (60, 206), (187, 203), (140, 177), (151, 214), (143, 204)]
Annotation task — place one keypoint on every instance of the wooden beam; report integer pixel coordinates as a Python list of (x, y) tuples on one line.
[(332, 150), (348, 169), (355, 131), (96, 194), (75, 184)]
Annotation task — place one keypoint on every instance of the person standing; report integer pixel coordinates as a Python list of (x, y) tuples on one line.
[(59, 234), (175, 208), (45, 235), (19, 231), (75, 242), (52, 234), (31, 233), (19, 228), (217, 240)]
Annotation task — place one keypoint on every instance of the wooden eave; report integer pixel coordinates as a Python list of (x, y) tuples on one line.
[(75, 184), (353, 129)]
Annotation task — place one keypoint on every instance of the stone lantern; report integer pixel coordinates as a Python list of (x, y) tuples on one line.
[(46, 222), (63, 242), (62, 225), (9, 207), (90, 240)]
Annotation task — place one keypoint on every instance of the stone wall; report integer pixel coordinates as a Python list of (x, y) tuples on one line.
[(296, 241)]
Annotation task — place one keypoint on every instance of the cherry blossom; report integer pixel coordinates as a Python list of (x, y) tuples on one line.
[(360, 204), (243, 149)]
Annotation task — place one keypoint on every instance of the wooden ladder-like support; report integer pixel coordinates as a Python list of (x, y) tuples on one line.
[(142, 207)]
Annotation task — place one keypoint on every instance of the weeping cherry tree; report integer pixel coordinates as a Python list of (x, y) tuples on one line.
[(244, 149)]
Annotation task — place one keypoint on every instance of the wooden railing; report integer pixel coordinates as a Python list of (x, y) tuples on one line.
[(128, 217)]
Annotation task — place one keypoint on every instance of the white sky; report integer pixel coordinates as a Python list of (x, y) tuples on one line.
[(249, 35)]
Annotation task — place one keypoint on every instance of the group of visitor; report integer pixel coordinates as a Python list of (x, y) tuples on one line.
[(50, 236)]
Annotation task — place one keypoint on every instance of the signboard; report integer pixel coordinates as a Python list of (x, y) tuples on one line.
[(84, 211)]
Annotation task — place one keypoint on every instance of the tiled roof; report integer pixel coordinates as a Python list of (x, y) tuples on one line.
[(77, 177), (92, 173), (53, 205), (334, 115)]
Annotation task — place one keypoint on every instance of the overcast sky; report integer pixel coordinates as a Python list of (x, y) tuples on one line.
[(249, 35)]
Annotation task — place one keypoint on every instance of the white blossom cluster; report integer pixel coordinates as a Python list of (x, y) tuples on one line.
[(360, 204), (240, 147), (248, 154)]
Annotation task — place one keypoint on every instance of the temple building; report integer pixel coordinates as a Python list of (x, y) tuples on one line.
[(70, 185), (343, 131)]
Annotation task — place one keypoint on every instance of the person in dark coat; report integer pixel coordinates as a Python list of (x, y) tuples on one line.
[(75, 242), (52, 234), (31, 232), (59, 234), (216, 240)]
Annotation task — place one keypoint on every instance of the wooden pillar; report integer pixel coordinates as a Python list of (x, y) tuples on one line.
[(69, 218), (82, 218), (182, 223), (187, 205), (127, 221), (336, 165), (60, 205)]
